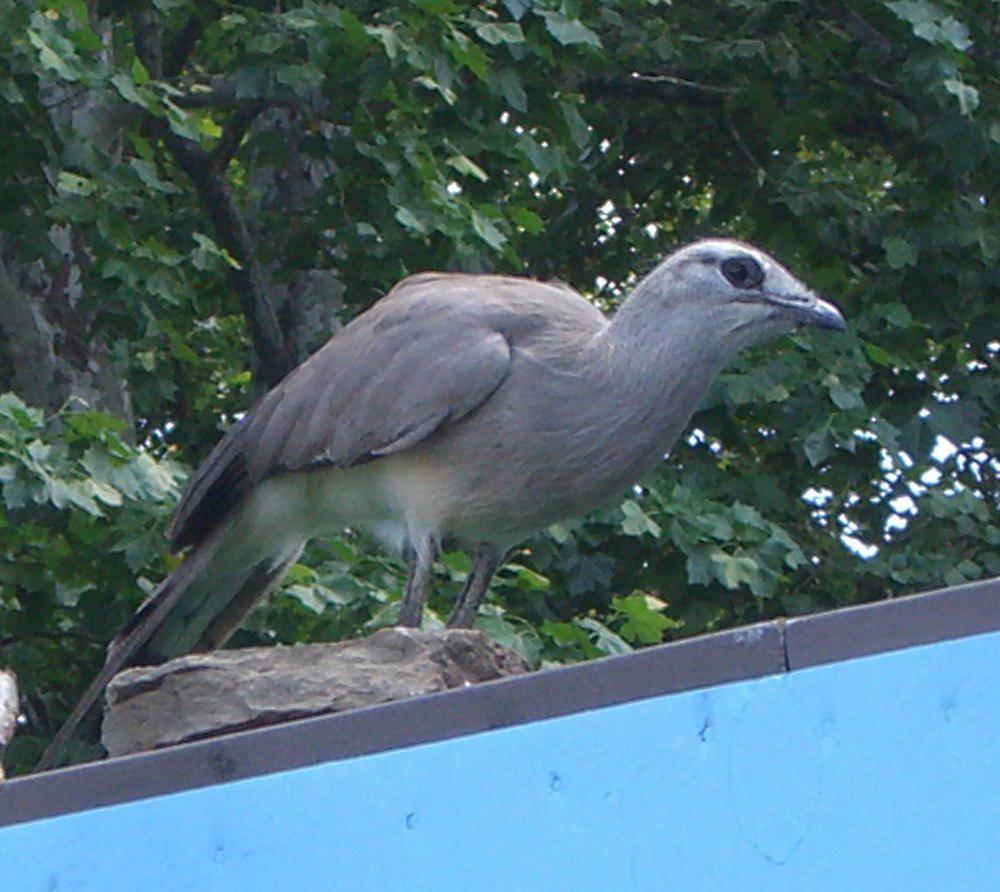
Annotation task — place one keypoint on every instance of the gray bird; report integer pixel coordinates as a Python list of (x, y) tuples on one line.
[(469, 408)]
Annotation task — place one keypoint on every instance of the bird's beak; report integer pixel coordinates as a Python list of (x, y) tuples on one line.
[(807, 308)]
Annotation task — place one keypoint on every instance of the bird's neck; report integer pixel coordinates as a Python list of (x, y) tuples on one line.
[(659, 333), (662, 360)]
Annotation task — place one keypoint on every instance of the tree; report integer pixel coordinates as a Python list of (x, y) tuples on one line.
[(197, 193)]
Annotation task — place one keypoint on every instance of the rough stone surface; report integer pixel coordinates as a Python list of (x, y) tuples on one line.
[(204, 695), (8, 711)]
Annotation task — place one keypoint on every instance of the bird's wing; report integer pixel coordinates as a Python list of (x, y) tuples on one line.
[(427, 353)]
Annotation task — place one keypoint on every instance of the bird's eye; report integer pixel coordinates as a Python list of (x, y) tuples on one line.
[(742, 272)]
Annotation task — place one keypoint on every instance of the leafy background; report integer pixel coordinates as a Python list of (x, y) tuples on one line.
[(197, 194)]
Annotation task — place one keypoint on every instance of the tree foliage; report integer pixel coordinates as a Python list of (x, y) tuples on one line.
[(196, 194)]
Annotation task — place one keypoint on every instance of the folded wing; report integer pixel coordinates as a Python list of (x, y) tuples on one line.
[(424, 355)]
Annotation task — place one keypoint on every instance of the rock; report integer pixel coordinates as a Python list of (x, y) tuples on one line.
[(204, 695), (8, 711)]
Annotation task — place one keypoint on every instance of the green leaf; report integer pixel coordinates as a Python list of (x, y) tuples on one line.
[(967, 95), (430, 83), (644, 623), (388, 36), (308, 596), (469, 55), (916, 12), (150, 177), (637, 522), (732, 571), (529, 221), (457, 563), (606, 641), (410, 220), (11, 93), (127, 90), (508, 82), (497, 33), (26, 417), (74, 184), (466, 165), (569, 32), (94, 425), (818, 446), (517, 8), (207, 248), (355, 31), (888, 434), (880, 356), (958, 421), (952, 31), (301, 79), (522, 640), (50, 59), (899, 252), (748, 516), (528, 579), (930, 24), (579, 131), (487, 231), (897, 314), (207, 126), (139, 73), (844, 397), (105, 493), (70, 492)]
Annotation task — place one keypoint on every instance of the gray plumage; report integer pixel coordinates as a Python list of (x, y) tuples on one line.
[(463, 407)]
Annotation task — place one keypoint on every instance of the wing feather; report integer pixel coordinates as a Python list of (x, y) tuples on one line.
[(382, 384)]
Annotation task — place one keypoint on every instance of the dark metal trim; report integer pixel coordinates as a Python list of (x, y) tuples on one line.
[(890, 625), (735, 655)]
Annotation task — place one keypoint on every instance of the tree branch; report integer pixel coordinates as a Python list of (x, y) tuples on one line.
[(230, 226), (27, 343), (214, 91), (658, 86), (681, 83), (177, 55), (863, 30), (219, 91), (147, 42), (232, 134), (231, 229), (746, 151)]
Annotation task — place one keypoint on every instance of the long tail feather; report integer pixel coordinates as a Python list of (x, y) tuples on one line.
[(197, 607), (132, 638)]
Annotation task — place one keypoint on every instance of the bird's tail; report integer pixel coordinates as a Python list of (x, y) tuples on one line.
[(197, 607)]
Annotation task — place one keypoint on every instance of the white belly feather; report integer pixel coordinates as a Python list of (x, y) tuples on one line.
[(396, 499)]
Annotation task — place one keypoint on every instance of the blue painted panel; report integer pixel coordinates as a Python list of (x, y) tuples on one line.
[(880, 773)]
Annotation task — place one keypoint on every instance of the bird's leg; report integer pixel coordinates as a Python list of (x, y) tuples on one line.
[(421, 560), (476, 583)]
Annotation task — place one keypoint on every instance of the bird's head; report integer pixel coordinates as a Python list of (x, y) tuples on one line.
[(730, 280), (729, 292)]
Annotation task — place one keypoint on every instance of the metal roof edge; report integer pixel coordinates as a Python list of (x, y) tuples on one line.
[(736, 654)]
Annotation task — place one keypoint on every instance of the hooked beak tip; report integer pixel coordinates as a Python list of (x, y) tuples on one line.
[(825, 315), (808, 309)]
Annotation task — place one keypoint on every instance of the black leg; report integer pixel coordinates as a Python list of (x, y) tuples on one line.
[(421, 561), (478, 581)]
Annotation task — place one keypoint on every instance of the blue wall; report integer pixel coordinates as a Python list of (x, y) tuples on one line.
[(879, 773)]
